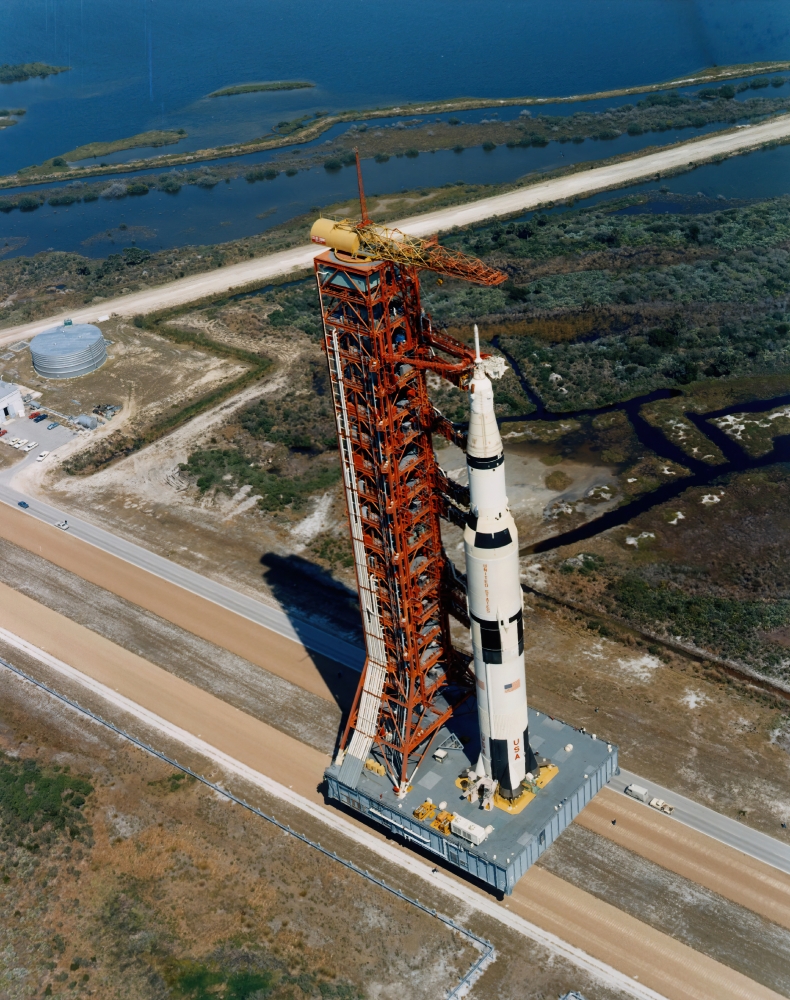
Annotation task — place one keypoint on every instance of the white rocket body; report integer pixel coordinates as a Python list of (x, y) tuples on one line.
[(495, 601)]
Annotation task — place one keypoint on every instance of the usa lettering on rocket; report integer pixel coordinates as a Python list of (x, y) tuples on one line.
[(495, 599)]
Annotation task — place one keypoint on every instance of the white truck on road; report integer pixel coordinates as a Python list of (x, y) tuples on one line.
[(637, 792)]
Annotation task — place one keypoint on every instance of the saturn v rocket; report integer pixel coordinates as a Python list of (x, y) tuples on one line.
[(495, 601)]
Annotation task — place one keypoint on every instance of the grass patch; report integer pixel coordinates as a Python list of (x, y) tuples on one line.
[(227, 469), (558, 480), (156, 137), (34, 801), (726, 625), (254, 88), (246, 975)]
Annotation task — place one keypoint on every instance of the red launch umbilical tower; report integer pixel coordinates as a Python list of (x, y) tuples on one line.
[(380, 345)]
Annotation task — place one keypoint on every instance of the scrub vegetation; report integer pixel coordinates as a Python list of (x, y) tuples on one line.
[(174, 893), (19, 72), (37, 806), (711, 575), (254, 88), (157, 137), (283, 448), (618, 300)]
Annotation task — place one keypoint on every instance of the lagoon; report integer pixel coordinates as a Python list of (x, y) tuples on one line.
[(139, 65)]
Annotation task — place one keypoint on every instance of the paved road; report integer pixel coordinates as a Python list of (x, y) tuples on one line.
[(576, 185), (713, 824)]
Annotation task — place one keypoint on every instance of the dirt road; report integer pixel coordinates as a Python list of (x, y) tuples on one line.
[(641, 953), (576, 185), (195, 614), (701, 859)]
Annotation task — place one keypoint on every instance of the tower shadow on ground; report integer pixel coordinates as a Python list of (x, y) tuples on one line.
[(305, 590)]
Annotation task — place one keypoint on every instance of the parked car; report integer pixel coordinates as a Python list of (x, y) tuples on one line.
[(662, 806), (20, 443), (31, 446), (42, 456), (40, 417), (53, 425), (33, 415), (3, 431), (63, 525), (21, 503)]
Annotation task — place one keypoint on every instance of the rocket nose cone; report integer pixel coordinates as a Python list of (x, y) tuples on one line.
[(483, 439)]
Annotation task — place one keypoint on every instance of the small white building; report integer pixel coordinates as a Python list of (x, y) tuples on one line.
[(11, 404)]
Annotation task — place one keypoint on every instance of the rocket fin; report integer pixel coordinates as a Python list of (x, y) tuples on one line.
[(532, 760)]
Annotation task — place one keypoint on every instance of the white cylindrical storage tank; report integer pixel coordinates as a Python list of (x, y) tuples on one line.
[(68, 351)]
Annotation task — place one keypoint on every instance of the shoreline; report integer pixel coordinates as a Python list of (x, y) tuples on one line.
[(323, 124), (530, 194)]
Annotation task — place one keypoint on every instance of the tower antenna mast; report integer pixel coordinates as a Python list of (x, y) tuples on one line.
[(362, 203)]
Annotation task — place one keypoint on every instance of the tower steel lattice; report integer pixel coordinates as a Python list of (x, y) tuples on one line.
[(380, 345)]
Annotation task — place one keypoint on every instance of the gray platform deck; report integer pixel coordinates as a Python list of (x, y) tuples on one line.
[(516, 841)]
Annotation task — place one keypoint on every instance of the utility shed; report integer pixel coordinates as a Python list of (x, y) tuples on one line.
[(11, 404)]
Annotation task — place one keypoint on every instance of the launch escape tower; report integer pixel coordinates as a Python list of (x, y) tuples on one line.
[(380, 345), (417, 691)]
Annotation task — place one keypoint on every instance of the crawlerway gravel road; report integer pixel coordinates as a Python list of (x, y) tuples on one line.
[(585, 182)]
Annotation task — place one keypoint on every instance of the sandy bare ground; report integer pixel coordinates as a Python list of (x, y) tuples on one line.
[(151, 473), (645, 955), (203, 618), (586, 182), (701, 859)]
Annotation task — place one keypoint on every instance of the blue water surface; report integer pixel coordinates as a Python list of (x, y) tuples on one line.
[(145, 64)]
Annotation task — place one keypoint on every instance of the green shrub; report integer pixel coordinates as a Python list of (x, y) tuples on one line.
[(488, 146), (29, 202), (210, 466), (332, 166), (66, 198), (90, 195), (135, 255), (412, 153), (32, 799), (709, 622), (381, 157), (137, 188)]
